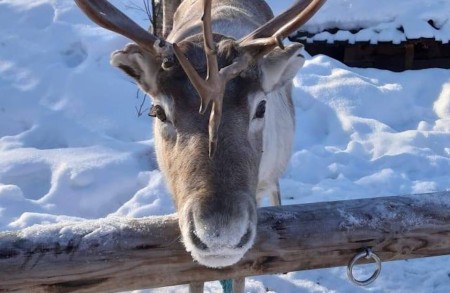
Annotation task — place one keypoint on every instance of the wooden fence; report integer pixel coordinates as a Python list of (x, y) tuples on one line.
[(117, 254)]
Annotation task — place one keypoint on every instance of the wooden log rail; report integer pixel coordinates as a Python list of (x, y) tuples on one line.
[(117, 254)]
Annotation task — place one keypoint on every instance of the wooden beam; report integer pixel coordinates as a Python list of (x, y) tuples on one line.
[(117, 254), (409, 56)]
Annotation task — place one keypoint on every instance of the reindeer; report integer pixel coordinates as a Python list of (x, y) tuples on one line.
[(221, 87)]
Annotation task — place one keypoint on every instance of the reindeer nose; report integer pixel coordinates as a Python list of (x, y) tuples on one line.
[(201, 245), (221, 236), (197, 241), (245, 239)]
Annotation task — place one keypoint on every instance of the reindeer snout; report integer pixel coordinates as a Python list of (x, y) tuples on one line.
[(215, 240), (219, 237)]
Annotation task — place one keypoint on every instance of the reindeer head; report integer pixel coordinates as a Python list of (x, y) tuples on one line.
[(210, 118)]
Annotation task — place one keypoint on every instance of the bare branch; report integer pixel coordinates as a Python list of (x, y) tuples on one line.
[(157, 22), (140, 110)]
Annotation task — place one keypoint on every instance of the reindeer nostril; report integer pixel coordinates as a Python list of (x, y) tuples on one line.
[(197, 242), (245, 239)]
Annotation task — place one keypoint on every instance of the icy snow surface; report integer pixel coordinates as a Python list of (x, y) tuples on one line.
[(382, 20), (72, 146)]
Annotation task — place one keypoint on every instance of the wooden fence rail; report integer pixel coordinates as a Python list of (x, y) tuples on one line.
[(116, 254)]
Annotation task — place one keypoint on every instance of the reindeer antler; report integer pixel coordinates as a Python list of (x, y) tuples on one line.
[(213, 87), (108, 16), (277, 29), (252, 46)]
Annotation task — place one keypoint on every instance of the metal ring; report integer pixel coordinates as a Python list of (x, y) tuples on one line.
[(368, 254)]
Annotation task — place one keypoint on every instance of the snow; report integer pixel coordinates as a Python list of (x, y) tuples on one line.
[(72, 146), (380, 21)]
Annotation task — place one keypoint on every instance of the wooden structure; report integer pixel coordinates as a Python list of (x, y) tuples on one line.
[(411, 54), (117, 254), (405, 41)]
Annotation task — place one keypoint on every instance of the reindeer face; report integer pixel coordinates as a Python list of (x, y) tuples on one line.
[(215, 197)]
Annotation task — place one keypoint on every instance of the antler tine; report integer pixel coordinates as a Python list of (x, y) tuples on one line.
[(213, 88), (108, 16), (275, 31), (253, 46), (210, 47)]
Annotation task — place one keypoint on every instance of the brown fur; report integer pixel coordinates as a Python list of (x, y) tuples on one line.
[(216, 197)]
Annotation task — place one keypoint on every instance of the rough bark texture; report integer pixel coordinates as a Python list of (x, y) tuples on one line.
[(157, 18), (169, 8), (117, 254), (163, 14)]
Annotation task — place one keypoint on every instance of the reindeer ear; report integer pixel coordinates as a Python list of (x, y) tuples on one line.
[(138, 64), (280, 66)]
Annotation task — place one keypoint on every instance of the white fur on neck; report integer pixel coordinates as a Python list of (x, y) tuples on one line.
[(278, 136)]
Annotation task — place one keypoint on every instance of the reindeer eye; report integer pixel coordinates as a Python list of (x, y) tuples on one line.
[(158, 112), (260, 110)]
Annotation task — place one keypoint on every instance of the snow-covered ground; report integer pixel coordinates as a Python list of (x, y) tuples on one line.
[(73, 147), (382, 20)]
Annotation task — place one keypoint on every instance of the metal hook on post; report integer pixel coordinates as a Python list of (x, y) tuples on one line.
[(368, 254)]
